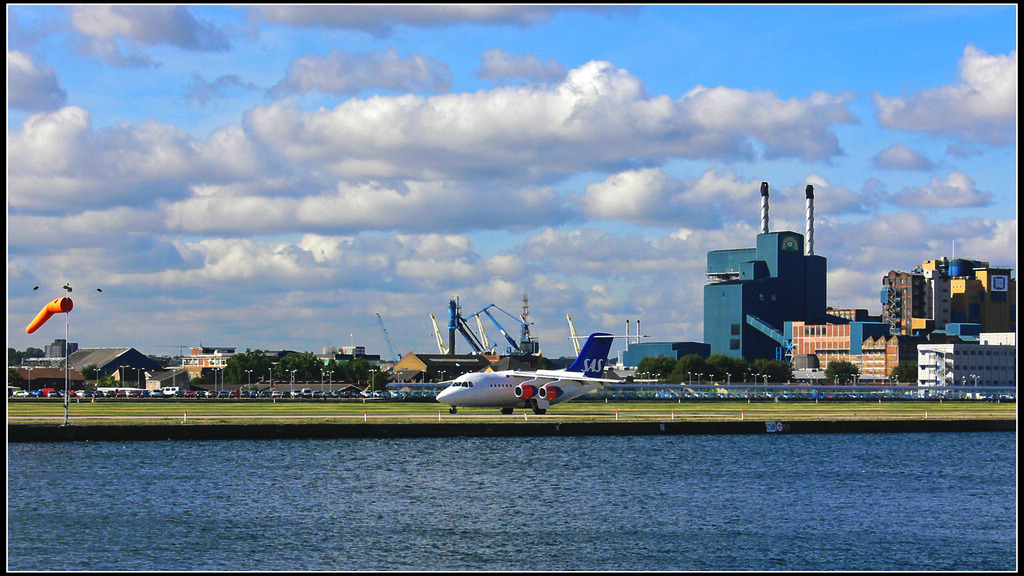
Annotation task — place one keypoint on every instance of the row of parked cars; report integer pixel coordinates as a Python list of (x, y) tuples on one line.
[(181, 393)]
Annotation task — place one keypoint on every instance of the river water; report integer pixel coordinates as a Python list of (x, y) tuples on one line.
[(942, 501)]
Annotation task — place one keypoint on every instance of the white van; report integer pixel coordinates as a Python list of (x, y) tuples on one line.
[(172, 390)]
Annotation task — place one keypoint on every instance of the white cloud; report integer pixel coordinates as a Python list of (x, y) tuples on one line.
[(496, 64), (381, 20), (956, 191), (31, 85), (902, 157), (118, 33), (598, 118), (343, 73), (982, 107), (58, 163)]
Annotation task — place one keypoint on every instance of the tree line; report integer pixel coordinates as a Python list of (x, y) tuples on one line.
[(721, 368)]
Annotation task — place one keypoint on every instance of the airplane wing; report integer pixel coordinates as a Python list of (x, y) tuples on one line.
[(549, 377)]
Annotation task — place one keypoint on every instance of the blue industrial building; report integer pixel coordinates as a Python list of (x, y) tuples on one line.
[(753, 292), (636, 351)]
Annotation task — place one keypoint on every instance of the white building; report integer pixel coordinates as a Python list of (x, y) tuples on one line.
[(992, 361)]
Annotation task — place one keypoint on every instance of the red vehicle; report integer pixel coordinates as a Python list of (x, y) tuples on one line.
[(190, 394)]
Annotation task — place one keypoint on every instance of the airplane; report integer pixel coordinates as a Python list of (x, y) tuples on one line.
[(511, 389)]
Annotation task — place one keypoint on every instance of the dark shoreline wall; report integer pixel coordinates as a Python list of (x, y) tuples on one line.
[(51, 433)]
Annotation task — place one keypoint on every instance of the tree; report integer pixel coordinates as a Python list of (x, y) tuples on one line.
[(239, 366), (15, 358), (14, 378), (659, 367), (305, 364), (904, 372), (841, 371), (778, 371), (89, 372), (725, 368), (688, 367)]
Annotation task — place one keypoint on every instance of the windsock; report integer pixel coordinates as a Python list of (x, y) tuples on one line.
[(57, 306)]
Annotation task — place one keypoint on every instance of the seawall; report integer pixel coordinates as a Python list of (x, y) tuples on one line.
[(72, 433)]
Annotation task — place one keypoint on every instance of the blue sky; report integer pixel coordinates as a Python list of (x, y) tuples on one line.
[(272, 177)]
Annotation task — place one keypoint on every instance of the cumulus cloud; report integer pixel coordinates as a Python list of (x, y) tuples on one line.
[(982, 107), (343, 73), (57, 162), (902, 157), (31, 85), (598, 118), (496, 64), (118, 33), (957, 190)]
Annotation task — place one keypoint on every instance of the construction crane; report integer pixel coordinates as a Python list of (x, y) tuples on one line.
[(572, 335), (387, 338), (437, 334)]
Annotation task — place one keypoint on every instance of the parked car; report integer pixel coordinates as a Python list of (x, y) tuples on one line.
[(191, 394)]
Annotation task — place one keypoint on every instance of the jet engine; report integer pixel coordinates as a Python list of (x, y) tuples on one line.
[(525, 391), (549, 392)]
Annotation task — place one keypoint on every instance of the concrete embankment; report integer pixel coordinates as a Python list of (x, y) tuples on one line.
[(52, 433)]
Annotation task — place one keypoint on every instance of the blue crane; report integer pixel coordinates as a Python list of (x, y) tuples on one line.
[(387, 338)]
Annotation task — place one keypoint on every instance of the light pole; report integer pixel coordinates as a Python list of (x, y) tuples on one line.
[(291, 392), (249, 375), (30, 379)]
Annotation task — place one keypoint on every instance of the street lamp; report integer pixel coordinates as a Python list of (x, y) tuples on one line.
[(249, 375), (292, 391)]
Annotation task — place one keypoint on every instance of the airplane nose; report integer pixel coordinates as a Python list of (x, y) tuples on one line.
[(443, 394)]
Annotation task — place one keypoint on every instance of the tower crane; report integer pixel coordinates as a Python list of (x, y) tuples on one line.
[(387, 338)]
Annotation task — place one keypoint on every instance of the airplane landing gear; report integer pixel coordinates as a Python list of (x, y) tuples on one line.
[(452, 410), (507, 410)]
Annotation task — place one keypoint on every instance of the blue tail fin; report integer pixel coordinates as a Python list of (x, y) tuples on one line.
[(593, 355)]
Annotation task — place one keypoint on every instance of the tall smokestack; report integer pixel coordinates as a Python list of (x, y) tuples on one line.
[(764, 207), (809, 240), (637, 330)]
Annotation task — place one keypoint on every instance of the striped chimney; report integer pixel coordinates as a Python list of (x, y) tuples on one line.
[(810, 220), (764, 207)]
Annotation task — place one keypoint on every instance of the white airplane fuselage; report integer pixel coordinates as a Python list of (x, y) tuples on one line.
[(498, 389), (510, 389)]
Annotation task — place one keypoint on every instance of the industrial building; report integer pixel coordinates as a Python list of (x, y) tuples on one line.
[(753, 292), (989, 361), (945, 291), (637, 351)]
